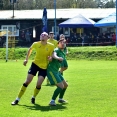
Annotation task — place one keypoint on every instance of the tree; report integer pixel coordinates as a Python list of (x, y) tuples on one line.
[(29, 4), (6, 5), (49, 4), (64, 3), (86, 4), (110, 4), (1, 4), (105, 3), (26, 5)]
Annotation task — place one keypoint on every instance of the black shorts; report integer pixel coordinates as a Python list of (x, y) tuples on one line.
[(34, 69)]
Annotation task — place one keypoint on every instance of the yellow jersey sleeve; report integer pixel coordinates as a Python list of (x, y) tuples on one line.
[(54, 42), (33, 46)]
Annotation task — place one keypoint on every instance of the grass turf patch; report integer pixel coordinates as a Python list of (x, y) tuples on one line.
[(75, 53), (91, 92)]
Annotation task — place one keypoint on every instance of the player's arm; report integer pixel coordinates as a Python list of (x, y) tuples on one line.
[(50, 56), (54, 55), (27, 56)]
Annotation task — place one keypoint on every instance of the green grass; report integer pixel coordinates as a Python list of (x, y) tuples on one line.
[(92, 91), (93, 53), (75, 53)]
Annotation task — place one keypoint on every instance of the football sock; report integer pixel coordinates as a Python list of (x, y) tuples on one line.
[(22, 90), (18, 99), (36, 91), (56, 93), (62, 93)]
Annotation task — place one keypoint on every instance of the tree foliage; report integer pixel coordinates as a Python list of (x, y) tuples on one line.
[(105, 3), (110, 4), (60, 4)]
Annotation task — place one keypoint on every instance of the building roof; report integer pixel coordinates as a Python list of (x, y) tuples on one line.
[(60, 13)]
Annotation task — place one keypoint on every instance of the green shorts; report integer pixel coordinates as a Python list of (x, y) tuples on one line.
[(54, 77), (64, 63)]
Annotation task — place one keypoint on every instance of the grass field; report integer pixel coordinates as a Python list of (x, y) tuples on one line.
[(92, 91)]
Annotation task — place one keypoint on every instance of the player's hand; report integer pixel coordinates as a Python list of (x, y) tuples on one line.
[(60, 59), (25, 62), (49, 58)]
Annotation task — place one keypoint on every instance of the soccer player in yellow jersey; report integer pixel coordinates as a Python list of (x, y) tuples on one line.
[(44, 51), (52, 40)]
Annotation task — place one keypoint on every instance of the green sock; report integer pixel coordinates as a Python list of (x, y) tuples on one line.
[(56, 93), (62, 93)]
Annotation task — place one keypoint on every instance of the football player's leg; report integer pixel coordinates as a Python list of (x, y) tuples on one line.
[(23, 89), (41, 76)]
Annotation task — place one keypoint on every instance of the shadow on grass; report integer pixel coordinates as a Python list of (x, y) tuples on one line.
[(49, 85), (45, 108)]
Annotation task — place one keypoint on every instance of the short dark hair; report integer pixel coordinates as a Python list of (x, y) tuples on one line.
[(62, 39), (62, 35), (51, 32)]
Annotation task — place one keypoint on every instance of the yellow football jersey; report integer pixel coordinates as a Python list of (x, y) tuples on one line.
[(42, 53), (53, 41)]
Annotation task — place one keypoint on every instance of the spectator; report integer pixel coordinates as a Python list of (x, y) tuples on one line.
[(74, 38), (27, 36), (86, 39), (114, 37), (103, 37), (79, 40), (82, 37), (23, 36)]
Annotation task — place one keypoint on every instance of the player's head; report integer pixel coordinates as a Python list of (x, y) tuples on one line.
[(51, 35), (44, 36), (61, 43), (62, 36)]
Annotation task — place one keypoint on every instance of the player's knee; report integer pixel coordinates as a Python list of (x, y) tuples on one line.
[(60, 86), (66, 85), (65, 68)]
